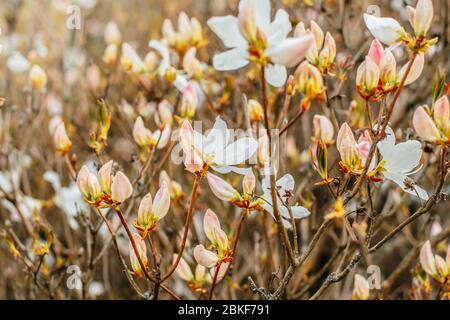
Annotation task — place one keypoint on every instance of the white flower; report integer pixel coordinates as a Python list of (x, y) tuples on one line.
[(180, 81), (215, 149), (69, 199), (285, 190), (384, 29), (252, 36), (16, 62), (399, 161)]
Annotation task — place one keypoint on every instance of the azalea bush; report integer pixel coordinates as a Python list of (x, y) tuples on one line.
[(241, 149)]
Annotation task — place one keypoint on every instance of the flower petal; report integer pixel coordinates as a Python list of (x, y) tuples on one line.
[(276, 75), (230, 60), (226, 28), (416, 69), (238, 151), (384, 29), (400, 178)]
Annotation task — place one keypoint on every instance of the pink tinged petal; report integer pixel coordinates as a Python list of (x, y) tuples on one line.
[(161, 203), (239, 151), (376, 51), (183, 270), (276, 75), (368, 74), (384, 29), (222, 271), (186, 135), (323, 129), (436, 228), (416, 69), (210, 224), (205, 257), (290, 51), (121, 188), (423, 17), (424, 125), (317, 33), (105, 176), (226, 28), (93, 186), (427, 260), (221, 240), (222, 189), (411, 12), (193, 162), (249, 183), (299, 30), (441, 114), (231, 60), (345, 134)]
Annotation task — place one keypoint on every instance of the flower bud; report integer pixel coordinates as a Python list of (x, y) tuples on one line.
[(93, 78), (112, 33), (192, 65), (249, 183), (361, 290), (110, 56), (141, 134), (165, 112), (263, 149), (205, 257), (309, 81), (88, 184), (441, 266), (192, 161), (317, 33), (144, 221), (424, 125), (423, 16), (222, 189), (121, 188), (189, 102), (61, 140), (161, 203), (151, 62), (427, 260), (388, 71), (376, 51), (247, 20), (441, 115), (105, 176), (38, 78), (130, 60), (323, 129), (183, 270), (347, 148), (367, 77), (255, 110), (142, 251), (221, 241), (328, 53), (210, 224)]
